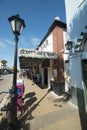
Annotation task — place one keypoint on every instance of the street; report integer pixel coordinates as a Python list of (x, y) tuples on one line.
[(5, 84)]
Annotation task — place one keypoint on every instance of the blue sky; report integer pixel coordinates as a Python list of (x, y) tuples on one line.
[(38, 16)]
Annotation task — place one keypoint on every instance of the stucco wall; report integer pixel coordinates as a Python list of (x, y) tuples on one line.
[(76, 71), (76, 15)]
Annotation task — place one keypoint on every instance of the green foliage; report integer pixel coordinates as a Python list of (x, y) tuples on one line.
[(4, 62)]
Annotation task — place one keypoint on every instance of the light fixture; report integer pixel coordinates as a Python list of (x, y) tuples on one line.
[(68, 45), (82, 33), (17, 24), (79, 40)]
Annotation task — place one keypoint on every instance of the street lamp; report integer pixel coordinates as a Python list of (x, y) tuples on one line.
[(80, 47), (68, 45), (17, 25)]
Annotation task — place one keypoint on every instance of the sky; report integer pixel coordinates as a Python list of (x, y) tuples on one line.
[(38, 16)]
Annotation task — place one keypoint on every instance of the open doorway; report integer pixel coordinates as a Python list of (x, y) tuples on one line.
[(84, 71), (45, 76)]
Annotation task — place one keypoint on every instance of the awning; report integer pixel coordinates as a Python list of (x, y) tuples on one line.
[(29, 57), (37, 54)]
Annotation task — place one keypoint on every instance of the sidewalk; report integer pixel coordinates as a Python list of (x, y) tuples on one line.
[(48, 111), (44, 110)]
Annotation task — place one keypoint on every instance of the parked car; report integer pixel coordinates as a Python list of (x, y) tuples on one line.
[(6, 71)]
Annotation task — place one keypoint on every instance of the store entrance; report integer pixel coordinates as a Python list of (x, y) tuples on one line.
[(45, 76), (84, 70)]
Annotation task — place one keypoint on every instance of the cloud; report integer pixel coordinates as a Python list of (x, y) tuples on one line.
[(9, 42), (23, 42), (3, 47), (4, 44), (29, 43), (35, 41)]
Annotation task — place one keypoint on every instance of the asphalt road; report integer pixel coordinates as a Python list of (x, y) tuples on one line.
[(5, 84)]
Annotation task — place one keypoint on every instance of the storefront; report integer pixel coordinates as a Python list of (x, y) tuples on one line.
[(38, 61)]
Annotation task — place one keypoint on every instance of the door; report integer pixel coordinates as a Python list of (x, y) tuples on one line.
[(45, 76), (84, 71)]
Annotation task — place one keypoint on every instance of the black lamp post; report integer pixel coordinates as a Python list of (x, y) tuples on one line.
[(17, 25)]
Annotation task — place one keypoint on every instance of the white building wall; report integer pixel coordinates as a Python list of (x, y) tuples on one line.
[(76, 12), (47, 45), (76, 71), (50, 75), (0, 65), (66, 57), (66, 69), (66, 52)]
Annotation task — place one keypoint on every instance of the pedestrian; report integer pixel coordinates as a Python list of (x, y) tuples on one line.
[(20, 74), (33, 77), (38, 78), (68, 79)]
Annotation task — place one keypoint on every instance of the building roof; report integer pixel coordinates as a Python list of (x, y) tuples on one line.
[(53, 25)]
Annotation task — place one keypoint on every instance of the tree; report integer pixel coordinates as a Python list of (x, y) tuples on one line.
[(4, 62)]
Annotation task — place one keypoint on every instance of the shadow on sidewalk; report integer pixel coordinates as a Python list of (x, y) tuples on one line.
[(82, 109), (42, 86), (30, 99), (25, 126), (4, 126), (28, 115), (29, 102), (30, 94)]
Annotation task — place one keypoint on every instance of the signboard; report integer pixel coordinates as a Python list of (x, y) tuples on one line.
[(37, 54)]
